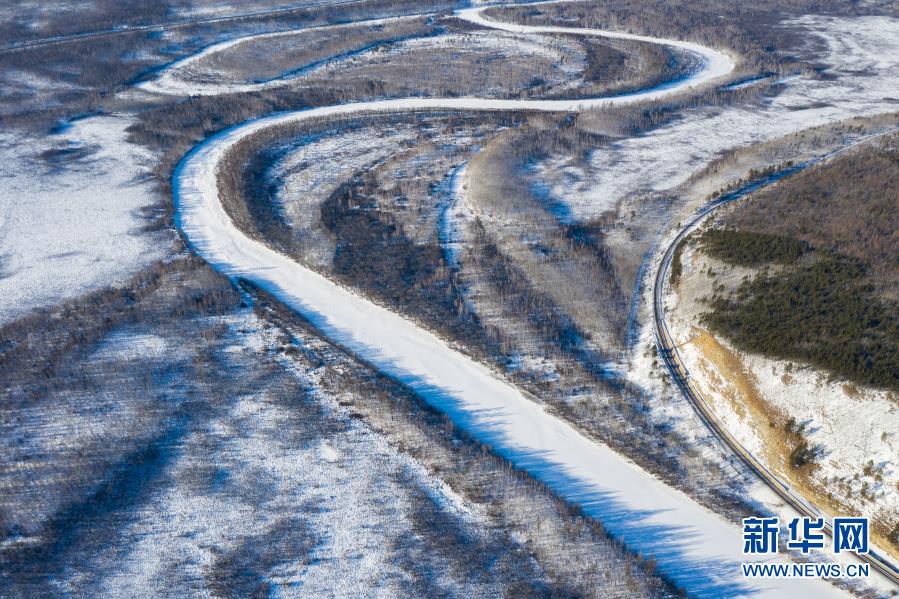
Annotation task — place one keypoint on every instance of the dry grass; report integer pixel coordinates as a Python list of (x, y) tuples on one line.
[(734, 382), (739, 389)]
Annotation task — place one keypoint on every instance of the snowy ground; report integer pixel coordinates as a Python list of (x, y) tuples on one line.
[(214, 8), (307, 175), (632, 504), (655, 519), (510, 60), (144, 466), (19, 86), (454, 215), (71, 220), (411, 159), (864, 65), (345, 501), (179, 78), (652, 517), (864, 62), (715, 64)]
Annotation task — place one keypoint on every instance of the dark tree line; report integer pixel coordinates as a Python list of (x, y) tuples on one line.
[(748, 248), (823, 313), (848, 206)]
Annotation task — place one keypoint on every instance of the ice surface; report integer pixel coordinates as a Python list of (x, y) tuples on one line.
[(696, 547)]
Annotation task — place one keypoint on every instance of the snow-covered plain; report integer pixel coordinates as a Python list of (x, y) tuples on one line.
[(70, 221), (267, 479), (320, 513), (172, 80), (536, 53), (858, 49), (695, 547)]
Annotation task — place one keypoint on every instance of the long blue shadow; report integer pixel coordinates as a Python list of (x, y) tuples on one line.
[(668, 545)]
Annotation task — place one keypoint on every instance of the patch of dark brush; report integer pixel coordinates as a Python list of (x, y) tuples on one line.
[(59, 157), (487, 558), (93, 521), (245, 570), (373, 253)]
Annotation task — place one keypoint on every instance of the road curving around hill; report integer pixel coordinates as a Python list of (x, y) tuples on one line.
[(681, 376)]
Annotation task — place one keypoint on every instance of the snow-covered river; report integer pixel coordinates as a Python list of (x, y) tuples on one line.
[(695, 547)]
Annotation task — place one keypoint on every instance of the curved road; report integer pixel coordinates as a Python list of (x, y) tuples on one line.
[(681, 376), (694, 547)]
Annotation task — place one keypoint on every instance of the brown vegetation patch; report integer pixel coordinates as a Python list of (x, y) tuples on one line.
[(781, 436), (846, 205), (740, 390)]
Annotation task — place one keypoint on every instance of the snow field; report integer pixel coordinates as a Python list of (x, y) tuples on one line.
[(695, 547), (335, 495), (631, 503), (665, 158), (715, 64), (71, 222)]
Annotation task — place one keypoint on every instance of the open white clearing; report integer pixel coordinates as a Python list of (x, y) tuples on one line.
[(863, 76), (71, 221)]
